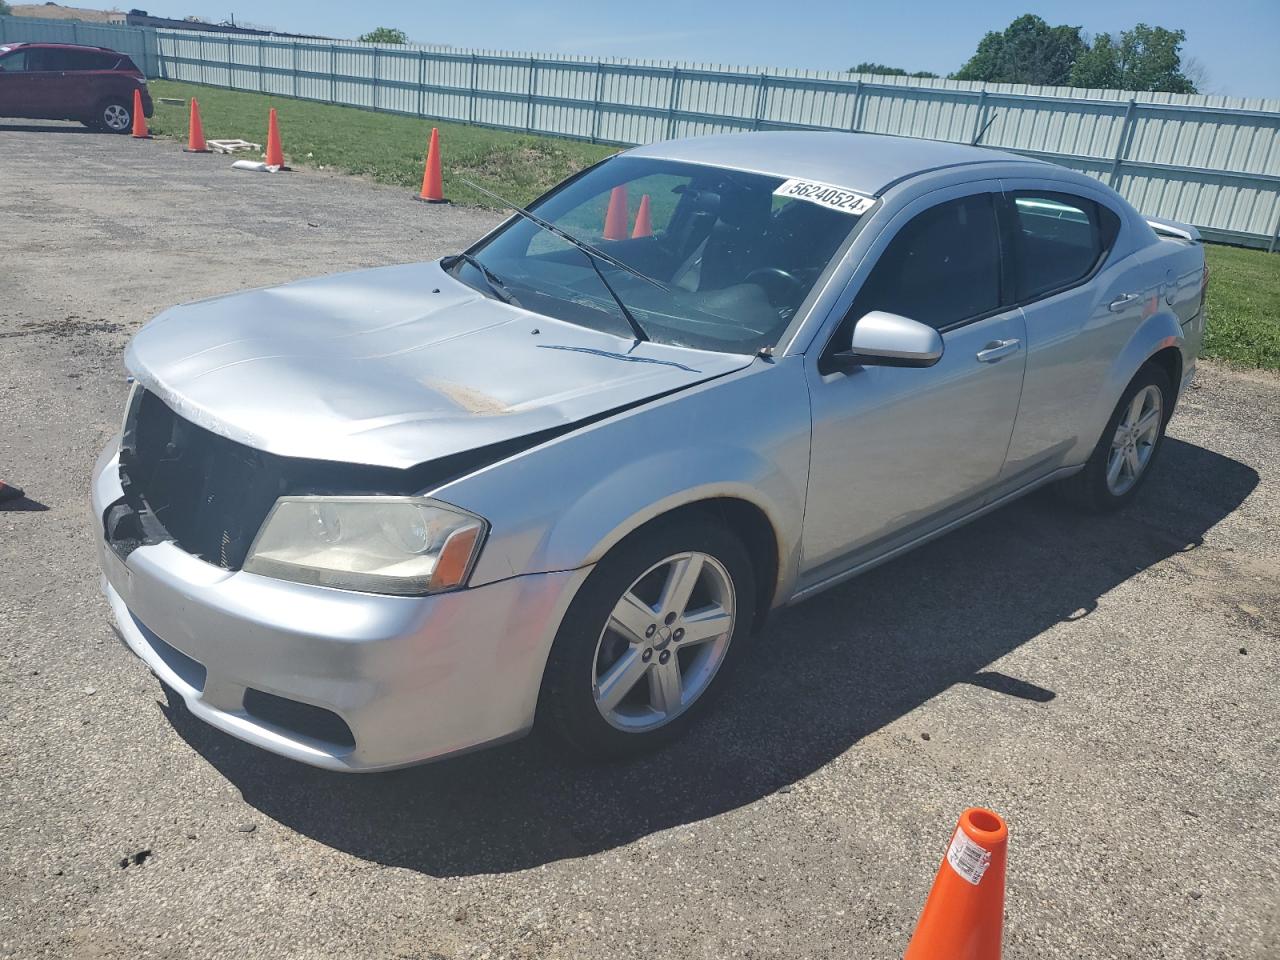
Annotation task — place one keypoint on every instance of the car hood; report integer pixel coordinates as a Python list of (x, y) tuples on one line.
[(393, 366)]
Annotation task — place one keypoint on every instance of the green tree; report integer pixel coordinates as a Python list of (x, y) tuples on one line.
[(1026, 51), (882, 70), (1145, 58), (5, 9), (384, 35)]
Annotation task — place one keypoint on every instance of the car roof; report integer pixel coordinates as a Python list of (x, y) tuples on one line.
[(59, 46), (865, 162)]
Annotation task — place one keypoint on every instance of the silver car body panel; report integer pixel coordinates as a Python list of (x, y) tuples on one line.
[(393, 366), (848, 469), (413, 677)]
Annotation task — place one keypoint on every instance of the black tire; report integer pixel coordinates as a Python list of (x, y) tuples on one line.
[(1089, 489), (114, 115), (567, 703)]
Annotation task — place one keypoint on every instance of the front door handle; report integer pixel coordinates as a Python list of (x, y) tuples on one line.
[(996, 349), (1122, 301)]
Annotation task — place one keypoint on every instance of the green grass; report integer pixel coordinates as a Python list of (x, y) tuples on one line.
[(384, 147), (1244, 307)]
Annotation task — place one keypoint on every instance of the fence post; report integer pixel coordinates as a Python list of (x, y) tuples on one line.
[(75, 32), (1122, 149), (1275, 234), (262, 86), (671, 105), (855, 120), (295, 69), (595, 112), (471, 101), (422, 83), (533, 91), (981, 119), (761, 93), (333, 73), (230, 83), (377, 87), (203, 58)]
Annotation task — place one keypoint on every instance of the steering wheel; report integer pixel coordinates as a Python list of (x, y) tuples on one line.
[(775, 281)]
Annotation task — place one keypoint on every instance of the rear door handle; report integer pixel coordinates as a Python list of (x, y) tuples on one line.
[(1122, 301), (996, 349)]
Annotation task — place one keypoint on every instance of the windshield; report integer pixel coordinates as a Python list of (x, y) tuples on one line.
[(735, 253)]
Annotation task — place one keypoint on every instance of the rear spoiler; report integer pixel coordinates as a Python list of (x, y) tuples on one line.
[(1174, 229)]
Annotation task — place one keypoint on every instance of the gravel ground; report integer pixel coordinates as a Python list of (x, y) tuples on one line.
[(1109, 685)]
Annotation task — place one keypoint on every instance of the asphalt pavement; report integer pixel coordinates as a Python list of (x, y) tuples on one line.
[(1108, 684)]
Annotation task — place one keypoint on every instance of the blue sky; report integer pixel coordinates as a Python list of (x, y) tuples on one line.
[(1236, 41)]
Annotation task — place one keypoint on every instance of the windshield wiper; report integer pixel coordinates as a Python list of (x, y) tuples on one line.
[(492, 279), (592, 253)]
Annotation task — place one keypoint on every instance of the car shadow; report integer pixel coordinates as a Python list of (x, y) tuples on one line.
[(74, 127), (840, 666), (23, 505)]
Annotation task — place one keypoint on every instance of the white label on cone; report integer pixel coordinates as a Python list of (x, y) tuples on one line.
[(967, 858), (827, 195)]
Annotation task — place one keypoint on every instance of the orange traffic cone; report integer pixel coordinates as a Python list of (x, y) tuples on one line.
[(275, 155), (195, 132), (140, 131), (432, 182), (644, 222), (963, 917), (615, 219)]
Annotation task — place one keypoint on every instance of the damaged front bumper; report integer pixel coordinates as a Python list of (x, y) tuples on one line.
[(337, 679)]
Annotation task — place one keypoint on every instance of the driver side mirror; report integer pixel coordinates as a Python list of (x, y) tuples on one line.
[(887, 340)]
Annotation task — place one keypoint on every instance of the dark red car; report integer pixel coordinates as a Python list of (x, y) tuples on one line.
[(60, 81)]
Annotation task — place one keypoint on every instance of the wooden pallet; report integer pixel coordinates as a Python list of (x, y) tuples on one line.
[(233, 146)]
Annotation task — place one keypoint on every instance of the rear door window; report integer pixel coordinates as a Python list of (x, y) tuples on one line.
[(1059, 240), (90, 60), (50, 59)]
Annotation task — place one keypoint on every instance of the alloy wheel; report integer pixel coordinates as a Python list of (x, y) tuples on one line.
[(1135, 440), (116, 117), (664, 641)]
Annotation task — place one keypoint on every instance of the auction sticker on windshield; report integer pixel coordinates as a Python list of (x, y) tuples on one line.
[(827, 195)]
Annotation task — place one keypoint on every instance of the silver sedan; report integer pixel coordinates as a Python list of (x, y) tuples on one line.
[(562, 476)]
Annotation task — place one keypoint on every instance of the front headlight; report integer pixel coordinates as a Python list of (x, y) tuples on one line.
[(398, 545)]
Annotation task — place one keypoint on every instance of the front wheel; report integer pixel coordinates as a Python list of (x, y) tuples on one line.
[(647, 637), (1126, 452)]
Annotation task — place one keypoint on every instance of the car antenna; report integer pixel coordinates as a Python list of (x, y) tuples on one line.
[(978, 139)]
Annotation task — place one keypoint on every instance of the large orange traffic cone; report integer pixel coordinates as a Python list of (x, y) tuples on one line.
[(432, 181), (140, 131), (644, 221), (963, 917), (275, 154), (616, 217), (195, 131)]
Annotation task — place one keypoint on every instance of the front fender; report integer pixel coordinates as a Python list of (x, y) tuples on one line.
[(626, 499), (1154, 333), (564, 504)]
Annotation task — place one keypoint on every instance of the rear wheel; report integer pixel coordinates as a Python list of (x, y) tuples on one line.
[(114, 116), (1126, 452), (649, 634)]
